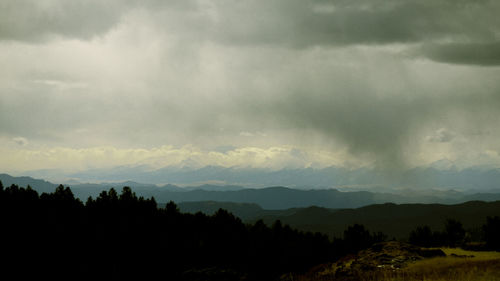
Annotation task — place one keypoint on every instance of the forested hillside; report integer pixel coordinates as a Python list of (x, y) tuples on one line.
[(122, 236)]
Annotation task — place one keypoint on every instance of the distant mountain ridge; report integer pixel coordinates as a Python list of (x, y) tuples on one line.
[(37, 184), (440, 175), (272, 198)]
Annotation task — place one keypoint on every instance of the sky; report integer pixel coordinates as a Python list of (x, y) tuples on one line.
[(388, 84)]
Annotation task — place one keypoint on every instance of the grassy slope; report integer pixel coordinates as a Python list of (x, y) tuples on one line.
[(483, 266)]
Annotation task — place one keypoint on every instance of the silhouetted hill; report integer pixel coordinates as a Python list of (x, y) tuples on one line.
[(245, 211), (241, 210), (391, 219), (37, 184), (271, 198), (267, 198), (275, 197)]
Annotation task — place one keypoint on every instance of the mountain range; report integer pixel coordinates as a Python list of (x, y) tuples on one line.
[(271, 198), (442, 176), (323, 210)]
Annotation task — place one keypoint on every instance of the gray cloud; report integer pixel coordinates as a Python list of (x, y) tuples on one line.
[(295, 23), (441, 135), (298, 23), (364, 99), (371, 126), (28, 20), (318, 73), (39, 21), (482, 54), (376, 107)]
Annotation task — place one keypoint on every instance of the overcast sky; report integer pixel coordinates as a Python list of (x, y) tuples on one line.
[(389, 84)]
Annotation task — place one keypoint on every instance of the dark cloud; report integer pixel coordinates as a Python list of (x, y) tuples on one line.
[(382, 113), (371, 126), (309, 23), (39, 21), (210, 73), (27, 20), (481, 54), (293, 23)]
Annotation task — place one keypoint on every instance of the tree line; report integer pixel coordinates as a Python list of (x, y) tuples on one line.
[(454, 234), (119, 236)]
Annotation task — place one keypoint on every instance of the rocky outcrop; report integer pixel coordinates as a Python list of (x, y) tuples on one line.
[(390, 256)]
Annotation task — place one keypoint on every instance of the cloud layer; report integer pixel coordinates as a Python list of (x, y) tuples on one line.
[(389, 83)]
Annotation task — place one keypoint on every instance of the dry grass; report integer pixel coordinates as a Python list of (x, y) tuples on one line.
[(477, 255), (449, 268), (483, 266)]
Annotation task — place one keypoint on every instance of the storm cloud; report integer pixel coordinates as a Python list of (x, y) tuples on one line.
[(481, 54), (295, 23), (380, 82)]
